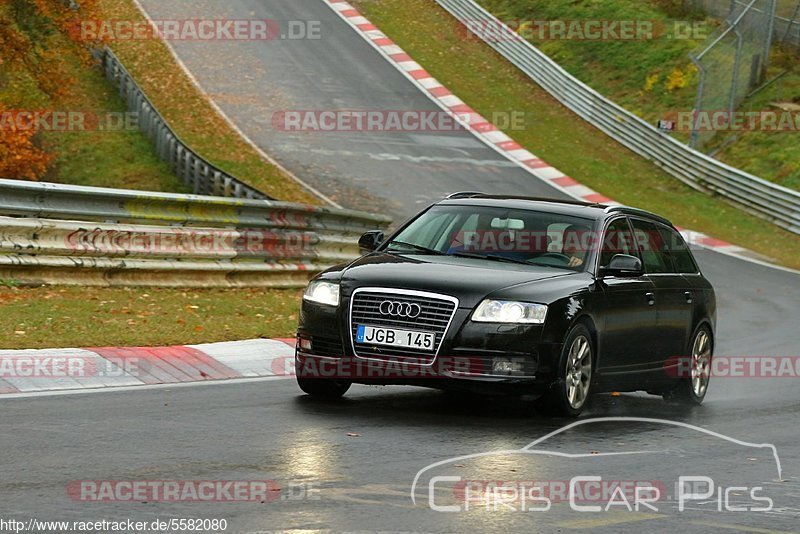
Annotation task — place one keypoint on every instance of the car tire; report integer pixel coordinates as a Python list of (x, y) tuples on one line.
[(691, 390), (323, 388), (568, 394)]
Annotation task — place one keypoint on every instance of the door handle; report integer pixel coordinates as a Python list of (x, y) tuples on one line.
[(688, 296), (651, 298)]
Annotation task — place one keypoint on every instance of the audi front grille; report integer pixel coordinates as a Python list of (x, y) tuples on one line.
[(369, 307)]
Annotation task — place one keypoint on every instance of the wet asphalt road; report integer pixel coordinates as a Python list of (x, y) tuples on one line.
[(362, 482), (394, 172)]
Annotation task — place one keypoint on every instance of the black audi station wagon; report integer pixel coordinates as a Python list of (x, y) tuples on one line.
[(515, 295)]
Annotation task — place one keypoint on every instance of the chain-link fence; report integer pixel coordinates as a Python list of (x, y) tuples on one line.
[(787, 16), (733, 60), (787, 22)]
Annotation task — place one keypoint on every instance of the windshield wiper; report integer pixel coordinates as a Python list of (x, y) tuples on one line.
[(492, 257), (418, 248), (426, 250)]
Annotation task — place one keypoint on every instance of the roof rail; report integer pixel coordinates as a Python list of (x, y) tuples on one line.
[(636, 211), (464, 194), (543, 199)]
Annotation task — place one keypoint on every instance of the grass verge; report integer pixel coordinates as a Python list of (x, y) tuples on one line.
[(774, 156), (52, 317), (655, 79), (647, 76), (490, 84), (113, 158), (190, 113)]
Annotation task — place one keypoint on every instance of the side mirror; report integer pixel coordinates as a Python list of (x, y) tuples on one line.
[(623, 265), (370, 241)]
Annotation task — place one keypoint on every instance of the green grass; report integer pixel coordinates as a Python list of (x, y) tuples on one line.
[(771, 155), (112, 158), (126, 159), (635, 75), (49, 317), (490, 84), (786, 8)]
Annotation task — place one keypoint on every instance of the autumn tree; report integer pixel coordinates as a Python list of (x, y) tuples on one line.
[(19, 156), (32, 33)]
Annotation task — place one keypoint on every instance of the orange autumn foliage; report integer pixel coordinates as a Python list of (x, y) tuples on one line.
[(27, 28), (20, 158)]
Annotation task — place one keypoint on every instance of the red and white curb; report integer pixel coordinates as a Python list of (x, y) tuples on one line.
[(25, 372), (492, 136)]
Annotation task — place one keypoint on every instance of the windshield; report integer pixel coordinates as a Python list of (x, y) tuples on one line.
[(498, 234)]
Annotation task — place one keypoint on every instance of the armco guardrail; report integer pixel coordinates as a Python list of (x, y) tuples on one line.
[(756, 195), (195, 171), (52, 233)]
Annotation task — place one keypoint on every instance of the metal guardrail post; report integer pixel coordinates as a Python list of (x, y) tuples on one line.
[(773, 13), (698, 105), (737, 63)]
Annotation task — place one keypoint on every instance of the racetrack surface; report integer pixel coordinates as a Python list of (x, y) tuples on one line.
[(269, 430), (394, 171)]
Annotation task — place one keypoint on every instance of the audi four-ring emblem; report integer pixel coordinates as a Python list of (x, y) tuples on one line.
[(400, 309)]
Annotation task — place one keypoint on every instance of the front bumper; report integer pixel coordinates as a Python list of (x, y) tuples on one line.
[(471, 356)]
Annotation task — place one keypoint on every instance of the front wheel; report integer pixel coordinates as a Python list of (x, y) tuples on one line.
[(568, 394), (323, 388), (691, 390)]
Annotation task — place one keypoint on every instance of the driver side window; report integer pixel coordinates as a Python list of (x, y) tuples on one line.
[(618, 239)]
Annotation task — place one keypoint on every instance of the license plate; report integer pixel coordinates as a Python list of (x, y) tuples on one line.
[(392, 337)]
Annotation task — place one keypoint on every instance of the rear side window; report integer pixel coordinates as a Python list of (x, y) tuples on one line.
[(678, 251), (652, 247)]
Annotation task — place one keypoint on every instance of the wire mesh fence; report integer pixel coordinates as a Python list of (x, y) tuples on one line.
[(733, 59), (786, 26), (787, 22)]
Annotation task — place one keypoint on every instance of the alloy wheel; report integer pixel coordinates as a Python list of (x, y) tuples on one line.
[(579, 371), (701, 363)]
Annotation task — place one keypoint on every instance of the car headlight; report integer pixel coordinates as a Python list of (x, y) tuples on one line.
[(509, 311), (322, 292)]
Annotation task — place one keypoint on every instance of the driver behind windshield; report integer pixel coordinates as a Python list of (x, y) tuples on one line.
[(575, 244), (520, 239)]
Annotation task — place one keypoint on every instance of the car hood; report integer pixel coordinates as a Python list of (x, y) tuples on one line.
[(470, 280)]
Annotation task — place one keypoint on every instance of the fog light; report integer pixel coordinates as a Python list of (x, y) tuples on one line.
[(305, 344), (504, 366)]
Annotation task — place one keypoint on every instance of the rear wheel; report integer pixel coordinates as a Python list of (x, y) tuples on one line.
[(568, 395), (691, 390)]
